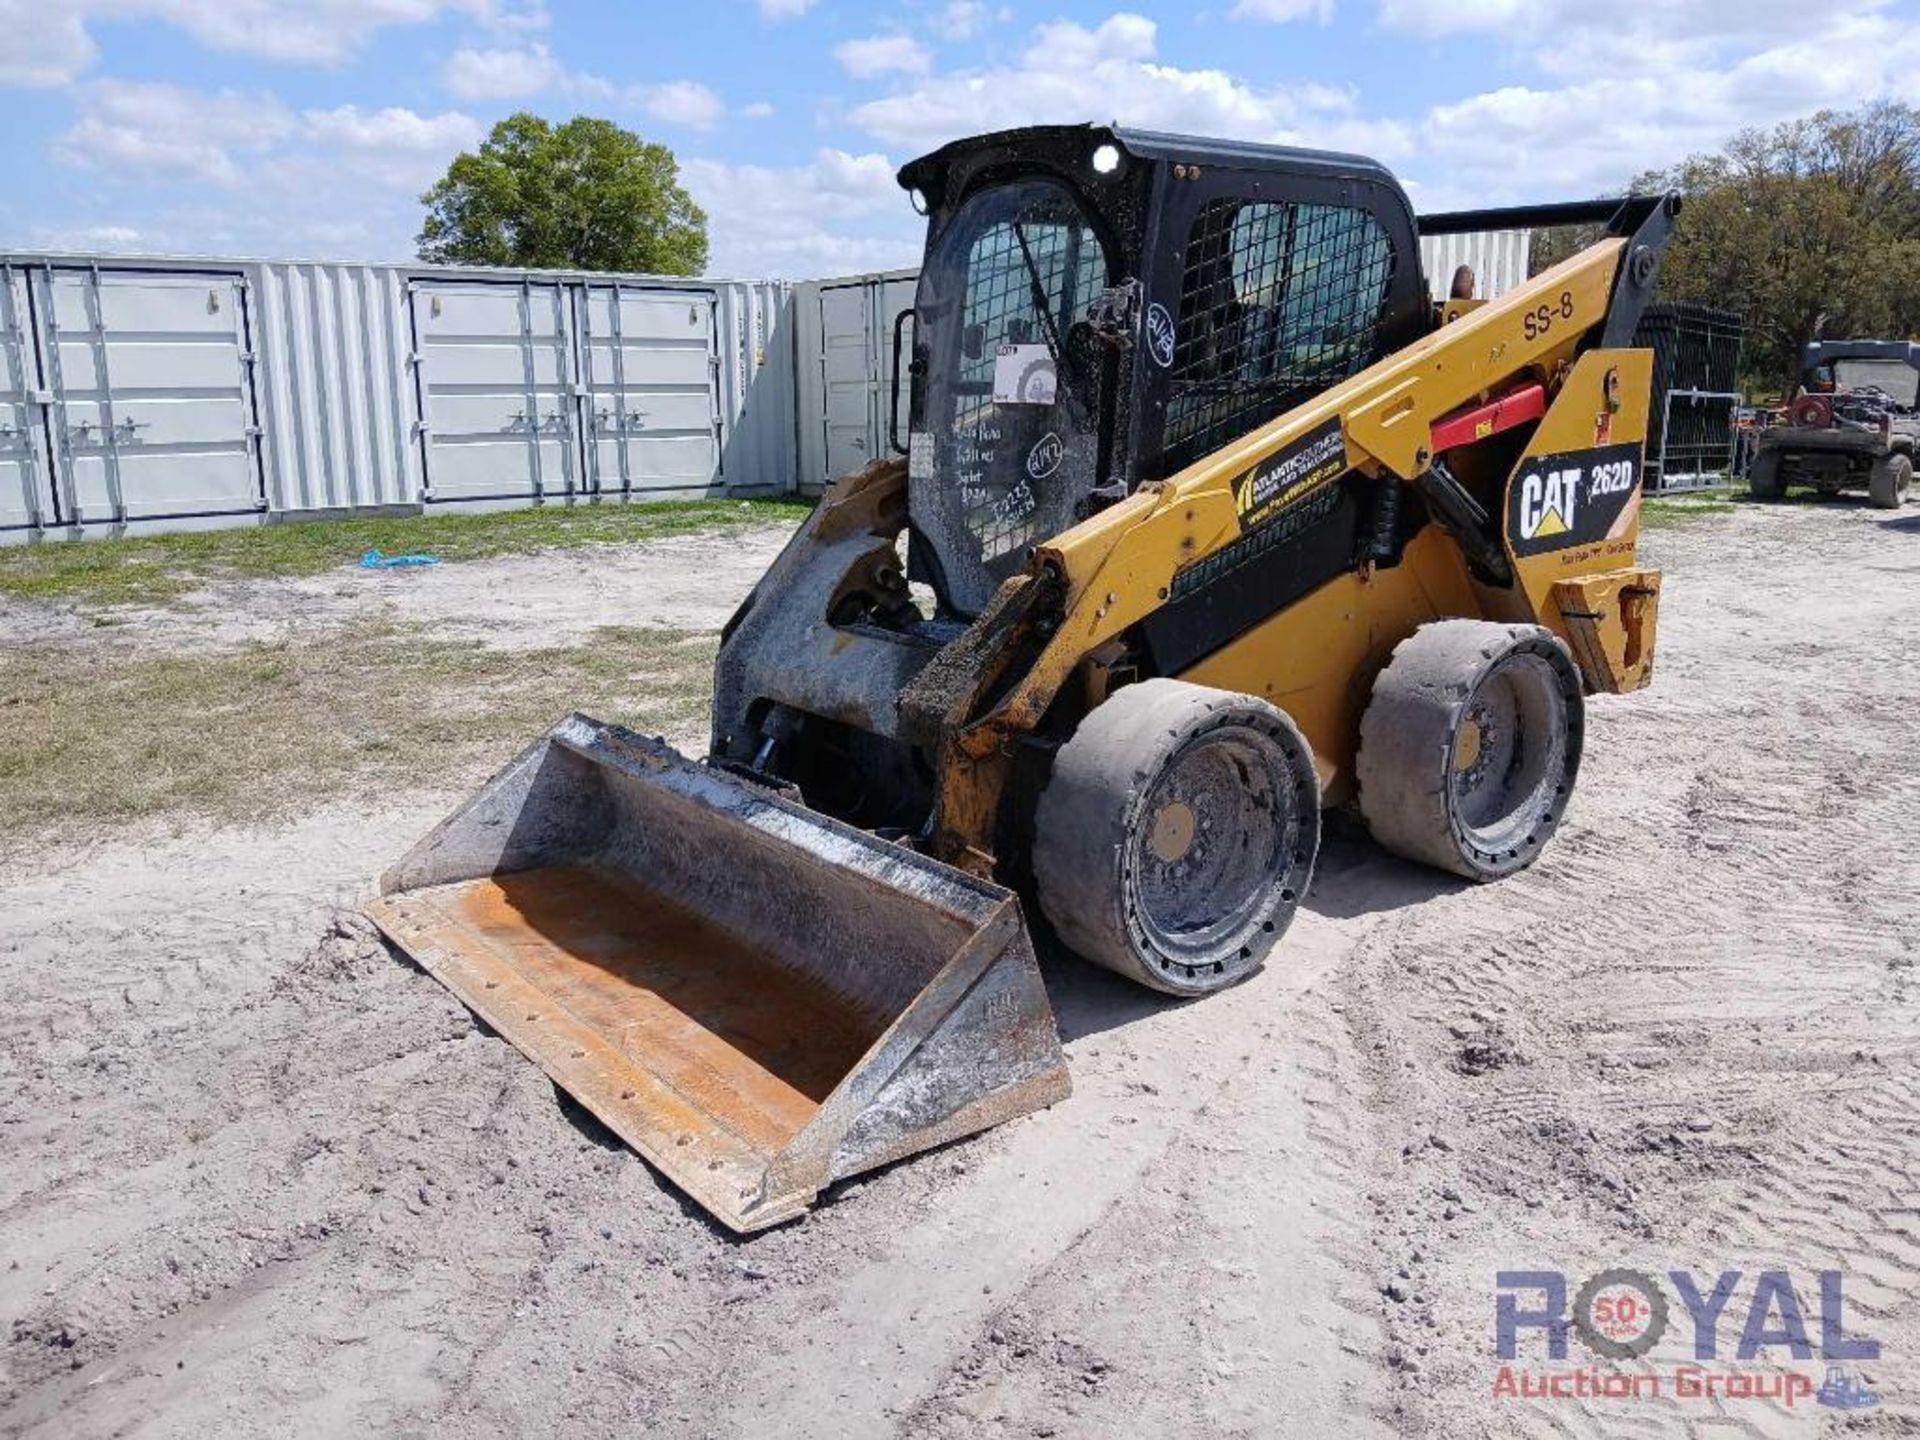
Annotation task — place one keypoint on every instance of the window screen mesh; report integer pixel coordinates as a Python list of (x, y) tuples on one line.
[(1001, 302), (1278, 302)]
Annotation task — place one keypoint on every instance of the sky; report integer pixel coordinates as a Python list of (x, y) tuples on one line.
[(308, 128)]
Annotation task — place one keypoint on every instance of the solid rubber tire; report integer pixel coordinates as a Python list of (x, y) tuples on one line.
[(1089, 822), (1405, 764)]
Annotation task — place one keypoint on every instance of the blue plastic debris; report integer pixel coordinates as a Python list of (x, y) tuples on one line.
[(374, 560)]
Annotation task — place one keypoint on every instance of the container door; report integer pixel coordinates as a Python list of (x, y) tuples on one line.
[(496, 390), (651, 371), (150, 379), (846, 375), (26, 484)]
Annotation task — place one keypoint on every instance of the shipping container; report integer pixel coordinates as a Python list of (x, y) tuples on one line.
[(143, 394)]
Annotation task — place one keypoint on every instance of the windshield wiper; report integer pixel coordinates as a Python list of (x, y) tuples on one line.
[(1038, 289), (1062, 363)]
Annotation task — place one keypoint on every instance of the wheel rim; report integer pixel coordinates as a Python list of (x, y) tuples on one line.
[(1508, 764), (1215, 845)]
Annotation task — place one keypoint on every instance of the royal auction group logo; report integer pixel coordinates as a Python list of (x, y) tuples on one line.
[(1623, 1314)]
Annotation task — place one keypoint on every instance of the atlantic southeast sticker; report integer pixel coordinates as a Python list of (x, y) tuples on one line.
[(1572, 498), (1285, 476)]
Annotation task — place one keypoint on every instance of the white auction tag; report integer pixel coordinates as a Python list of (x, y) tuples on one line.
[(1023, 375)]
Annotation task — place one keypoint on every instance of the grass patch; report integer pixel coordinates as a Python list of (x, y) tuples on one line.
[(1665, 512), (152, 569), (96, 734)]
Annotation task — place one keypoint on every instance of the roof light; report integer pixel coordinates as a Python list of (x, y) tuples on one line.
[(1106, 160)]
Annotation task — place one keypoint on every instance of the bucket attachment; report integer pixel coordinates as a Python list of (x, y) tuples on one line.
[(758, 998)]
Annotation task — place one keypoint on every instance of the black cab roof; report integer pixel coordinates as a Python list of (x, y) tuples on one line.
[(1824, 352)]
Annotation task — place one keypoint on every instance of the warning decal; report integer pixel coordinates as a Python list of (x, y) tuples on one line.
[(1294, 471)]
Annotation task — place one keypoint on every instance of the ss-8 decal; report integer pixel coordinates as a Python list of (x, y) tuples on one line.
[(1539, 320), (1572, 498)]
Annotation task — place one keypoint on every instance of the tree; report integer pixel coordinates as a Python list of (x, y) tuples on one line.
[(1810, 229), (586, 195)]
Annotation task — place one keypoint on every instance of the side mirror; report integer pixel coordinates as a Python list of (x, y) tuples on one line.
[(973, 340)]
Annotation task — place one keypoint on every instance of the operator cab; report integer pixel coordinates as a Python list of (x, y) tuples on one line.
[(1101, 307)]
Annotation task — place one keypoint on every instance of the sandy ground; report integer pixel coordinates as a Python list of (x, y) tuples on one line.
[(258, 1176), (689, 582)]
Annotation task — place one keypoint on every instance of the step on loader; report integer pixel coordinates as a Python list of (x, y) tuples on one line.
[(1206, 517)]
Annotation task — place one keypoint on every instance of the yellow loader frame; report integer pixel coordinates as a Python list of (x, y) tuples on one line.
[(1316, 658)]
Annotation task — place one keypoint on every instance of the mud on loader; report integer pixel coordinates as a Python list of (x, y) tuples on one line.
[(1210, 519)]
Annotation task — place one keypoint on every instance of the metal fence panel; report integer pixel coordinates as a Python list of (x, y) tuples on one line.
[(1697, 440), (1696, 361)]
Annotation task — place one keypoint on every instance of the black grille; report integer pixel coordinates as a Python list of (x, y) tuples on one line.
[(1278, 302), (1696, 364)]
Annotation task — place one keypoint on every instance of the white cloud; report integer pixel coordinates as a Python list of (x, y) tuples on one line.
[(1447, 17), (1072, 73), (1389, 141), (1594, 133), (683, 102), (144, 127), (1281, 11), (777, 10), (522, 72), (961, 19), (834, 215), (154, 135), (393, 128), (756, 110), (883, 55), (90, 239), (1069, 45), (173, 169), (46, 44), (503, 74)]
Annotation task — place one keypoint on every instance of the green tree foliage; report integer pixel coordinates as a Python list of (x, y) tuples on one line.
[(1807, 230), (586, 195)]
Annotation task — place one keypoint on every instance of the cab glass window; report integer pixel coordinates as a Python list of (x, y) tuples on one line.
[(1277, 302)]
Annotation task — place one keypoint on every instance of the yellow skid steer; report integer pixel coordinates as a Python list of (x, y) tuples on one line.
[(1206, 518)]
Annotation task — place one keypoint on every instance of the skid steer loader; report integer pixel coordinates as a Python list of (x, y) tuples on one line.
[(1207, 518)]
